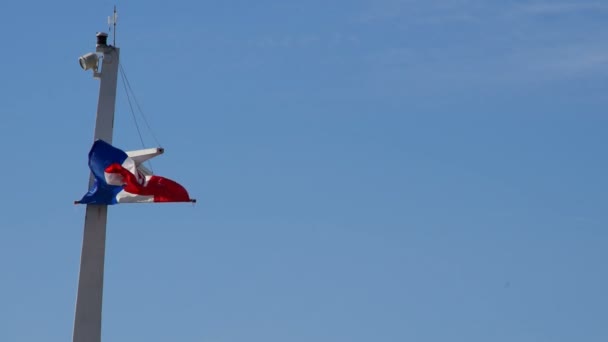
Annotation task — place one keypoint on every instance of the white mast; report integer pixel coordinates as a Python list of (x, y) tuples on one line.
[(87, 321)]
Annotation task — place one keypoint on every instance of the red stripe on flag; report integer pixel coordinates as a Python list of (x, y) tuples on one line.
[(163, 189)]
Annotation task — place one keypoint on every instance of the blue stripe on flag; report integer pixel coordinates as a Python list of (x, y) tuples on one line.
[(101, 156)]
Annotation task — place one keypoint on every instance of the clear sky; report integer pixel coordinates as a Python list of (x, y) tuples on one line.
[(366, 170)]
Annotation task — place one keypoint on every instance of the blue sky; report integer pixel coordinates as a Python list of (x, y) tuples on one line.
[(383, 170)]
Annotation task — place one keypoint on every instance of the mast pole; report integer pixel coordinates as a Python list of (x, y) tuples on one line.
[(87, 320)]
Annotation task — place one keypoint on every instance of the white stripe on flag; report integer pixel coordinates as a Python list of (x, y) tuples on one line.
[(127, 197)]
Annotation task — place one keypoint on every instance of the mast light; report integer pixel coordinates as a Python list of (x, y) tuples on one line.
[(89, 61)]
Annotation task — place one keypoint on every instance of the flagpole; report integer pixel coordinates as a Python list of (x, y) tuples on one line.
[(87, 320)]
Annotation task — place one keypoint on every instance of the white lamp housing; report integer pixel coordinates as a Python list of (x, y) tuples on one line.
[(89, 61)]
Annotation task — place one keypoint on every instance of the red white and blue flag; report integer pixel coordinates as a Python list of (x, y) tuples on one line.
[(118, 179)]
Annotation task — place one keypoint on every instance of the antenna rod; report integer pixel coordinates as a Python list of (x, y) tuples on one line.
[(114, 20)]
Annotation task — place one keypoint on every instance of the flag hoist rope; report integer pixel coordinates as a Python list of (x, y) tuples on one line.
[(130, 93)]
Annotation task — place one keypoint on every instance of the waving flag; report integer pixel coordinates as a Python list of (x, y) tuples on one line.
[(121, 179)]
